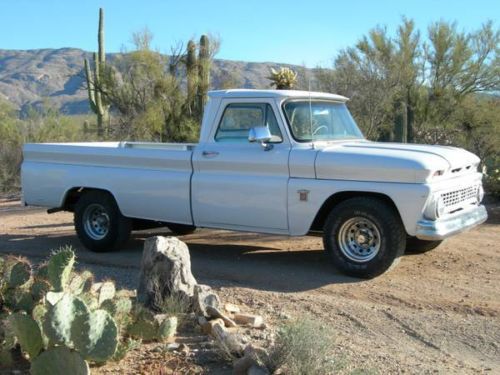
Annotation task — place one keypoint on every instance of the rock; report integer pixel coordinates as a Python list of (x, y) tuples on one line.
[(231, 308), (251, 362), (258, 370), (242, 365), (203, 297), (184, 349), (202, 320), (207, 327), (233, 342), (165, 270), (255, 321), (214, 313), (173, 346)]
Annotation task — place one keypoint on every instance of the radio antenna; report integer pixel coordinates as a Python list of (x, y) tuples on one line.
[(311, 115)]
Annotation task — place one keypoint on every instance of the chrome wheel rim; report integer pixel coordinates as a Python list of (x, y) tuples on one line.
[(96, 221), (359, 239)]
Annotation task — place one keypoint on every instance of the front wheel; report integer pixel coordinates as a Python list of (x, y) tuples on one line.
[(364, 237), (98, 222)]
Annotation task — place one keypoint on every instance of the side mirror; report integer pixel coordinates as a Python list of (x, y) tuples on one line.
[(262, 135)]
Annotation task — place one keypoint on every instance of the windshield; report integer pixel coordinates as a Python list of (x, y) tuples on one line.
[(330, 121)]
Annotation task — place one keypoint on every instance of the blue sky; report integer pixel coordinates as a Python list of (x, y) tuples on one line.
[(307, 31)]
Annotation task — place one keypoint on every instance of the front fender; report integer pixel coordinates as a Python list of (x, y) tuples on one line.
[(409, 199)]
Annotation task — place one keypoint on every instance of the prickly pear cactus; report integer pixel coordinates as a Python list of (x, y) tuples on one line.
[(90, 300), (107, 291), (124, 347), (6, 357), (81, 282), (59, 360), (148, 326), (38, 315), (19, 300), (143, 329), (39, 312), (42, 271), (27, 332), (7, 338), (168, 327), (53, 297), (60, 318), (19, 273), (39, 289), (59, 268), (118, 306), (96, 336)]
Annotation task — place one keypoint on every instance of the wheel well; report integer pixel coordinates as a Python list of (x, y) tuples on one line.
[(335, 199), (74, 194)]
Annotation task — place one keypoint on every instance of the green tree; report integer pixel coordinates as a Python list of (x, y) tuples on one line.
[(406, 88)]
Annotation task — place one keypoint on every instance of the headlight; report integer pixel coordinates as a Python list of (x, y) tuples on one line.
[(435, 208), (480, 194), (440, 207)]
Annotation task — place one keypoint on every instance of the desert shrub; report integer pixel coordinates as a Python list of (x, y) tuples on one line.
[(43, 124), (303, 347), (492, 180)]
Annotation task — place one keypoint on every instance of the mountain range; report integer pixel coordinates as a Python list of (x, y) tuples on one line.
[(29, 77)]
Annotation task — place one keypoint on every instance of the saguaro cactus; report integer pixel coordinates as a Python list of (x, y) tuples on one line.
[(203, 73), (95, 80), (191, 75)]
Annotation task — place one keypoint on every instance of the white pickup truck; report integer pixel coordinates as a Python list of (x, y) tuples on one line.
[(283, 162)]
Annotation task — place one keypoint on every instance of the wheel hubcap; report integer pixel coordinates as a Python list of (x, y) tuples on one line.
[(96, 221), (359, 239)]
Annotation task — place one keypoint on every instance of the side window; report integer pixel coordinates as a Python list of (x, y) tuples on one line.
[(239, 118)]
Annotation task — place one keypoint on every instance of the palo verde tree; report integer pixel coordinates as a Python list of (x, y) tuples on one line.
[(403, 86), (95, 80)]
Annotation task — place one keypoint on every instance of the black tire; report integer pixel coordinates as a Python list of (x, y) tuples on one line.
[(118, 226), (417, 246), (365, 213), (181, 229)]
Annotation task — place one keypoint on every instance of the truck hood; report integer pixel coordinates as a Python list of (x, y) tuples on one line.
[(392, 162)]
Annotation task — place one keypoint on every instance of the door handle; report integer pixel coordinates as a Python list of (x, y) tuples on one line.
[(209, 154)]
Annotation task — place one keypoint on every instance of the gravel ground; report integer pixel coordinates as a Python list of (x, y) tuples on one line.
[(435, 312)]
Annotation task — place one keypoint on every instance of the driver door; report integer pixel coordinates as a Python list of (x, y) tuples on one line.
[(238, 184)]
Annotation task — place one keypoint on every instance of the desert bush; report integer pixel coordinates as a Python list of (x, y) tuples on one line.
[(42, 124), (303, 347)]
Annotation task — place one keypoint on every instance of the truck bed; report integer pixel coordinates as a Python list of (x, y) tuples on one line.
[(131, 170)]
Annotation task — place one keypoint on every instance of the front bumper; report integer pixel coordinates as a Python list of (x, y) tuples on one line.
[(433, 230)]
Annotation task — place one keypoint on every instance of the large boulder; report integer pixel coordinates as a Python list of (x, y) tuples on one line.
[(165, 271)]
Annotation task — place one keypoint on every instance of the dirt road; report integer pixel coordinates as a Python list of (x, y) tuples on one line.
[(435, 312)]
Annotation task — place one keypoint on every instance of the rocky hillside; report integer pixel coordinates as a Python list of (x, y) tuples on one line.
[(28, 77)]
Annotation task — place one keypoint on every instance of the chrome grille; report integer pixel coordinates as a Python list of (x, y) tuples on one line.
[(456, 197)]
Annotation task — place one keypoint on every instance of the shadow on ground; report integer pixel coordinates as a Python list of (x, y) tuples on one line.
[(225, 263)]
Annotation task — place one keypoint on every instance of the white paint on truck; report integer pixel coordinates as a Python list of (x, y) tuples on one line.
[(278, 186)]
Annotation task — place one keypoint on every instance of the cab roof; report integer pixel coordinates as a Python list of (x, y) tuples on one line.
[(249, 93)]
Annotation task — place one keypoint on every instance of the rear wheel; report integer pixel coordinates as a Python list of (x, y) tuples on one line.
[(417, 246), (98, 222), (364, 237)]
